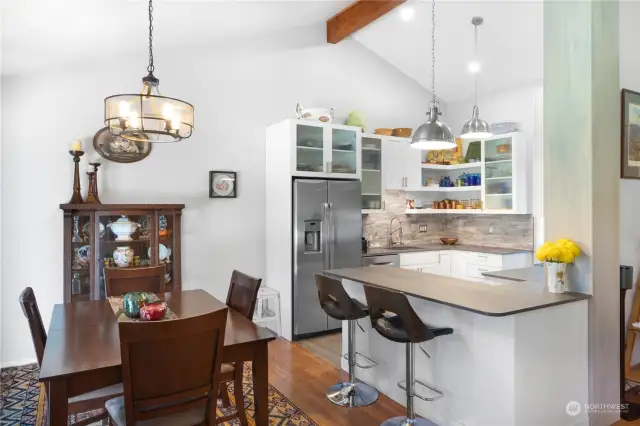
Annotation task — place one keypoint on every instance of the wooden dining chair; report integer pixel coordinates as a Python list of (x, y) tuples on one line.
[(242, 296), (89, 401), (119, 281), (170, 371)]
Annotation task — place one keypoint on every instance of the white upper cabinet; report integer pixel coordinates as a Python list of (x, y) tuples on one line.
[(505, 177), (373, 168), (402, 164), (317, 149)]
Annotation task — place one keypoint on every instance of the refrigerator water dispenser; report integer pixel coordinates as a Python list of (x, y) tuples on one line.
[(312, 235)]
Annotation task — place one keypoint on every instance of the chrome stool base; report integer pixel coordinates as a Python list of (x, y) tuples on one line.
[(403, 421), (347, 394)]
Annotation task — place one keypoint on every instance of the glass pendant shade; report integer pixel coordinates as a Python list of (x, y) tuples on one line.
[(433, 134), (148, 116), (476, 128)]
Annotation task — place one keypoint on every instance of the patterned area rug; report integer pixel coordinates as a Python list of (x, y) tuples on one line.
[(22, 401)]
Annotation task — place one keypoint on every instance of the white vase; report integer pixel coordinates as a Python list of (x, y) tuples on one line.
[(555, 274), (123, 256)]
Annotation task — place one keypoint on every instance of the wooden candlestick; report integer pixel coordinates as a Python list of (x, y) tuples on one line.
[(76, 198), (92, 195)]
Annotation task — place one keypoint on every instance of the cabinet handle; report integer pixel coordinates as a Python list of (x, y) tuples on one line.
[(384, 206), (328, 166), (483, 270), (482, 256)]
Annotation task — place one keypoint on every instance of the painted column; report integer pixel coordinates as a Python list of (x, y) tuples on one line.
[(581, 169)]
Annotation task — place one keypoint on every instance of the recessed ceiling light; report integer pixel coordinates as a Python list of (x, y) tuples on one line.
[(474, 67), (407, 13)]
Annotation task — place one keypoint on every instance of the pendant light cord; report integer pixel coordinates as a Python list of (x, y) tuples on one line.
[(433, 50), (475, 58), (150, 67)]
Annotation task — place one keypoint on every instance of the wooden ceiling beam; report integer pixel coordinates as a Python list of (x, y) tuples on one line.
[(357, 16)]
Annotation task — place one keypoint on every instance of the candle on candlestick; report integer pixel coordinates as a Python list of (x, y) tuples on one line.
[(76, 145)]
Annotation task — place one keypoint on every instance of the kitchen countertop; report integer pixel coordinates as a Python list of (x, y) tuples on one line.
[(532, 273), (484, 299), (409, 248)]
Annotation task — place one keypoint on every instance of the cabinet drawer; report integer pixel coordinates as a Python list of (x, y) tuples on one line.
[(484, 259), (475, 271), (419, 257)]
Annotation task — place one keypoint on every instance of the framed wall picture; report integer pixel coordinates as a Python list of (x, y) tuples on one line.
[(630, 135), (223, 185)]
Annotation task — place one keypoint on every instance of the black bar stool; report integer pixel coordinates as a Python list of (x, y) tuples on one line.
[(393, 317), (335, 301)]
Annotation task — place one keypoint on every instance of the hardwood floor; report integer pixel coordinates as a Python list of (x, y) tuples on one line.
[(625, 423), (303, 377), (328, 347)]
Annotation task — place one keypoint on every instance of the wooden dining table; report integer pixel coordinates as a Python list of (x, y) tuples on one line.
[(83, 349)]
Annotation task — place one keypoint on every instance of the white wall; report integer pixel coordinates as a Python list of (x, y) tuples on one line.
[(524, 106), (238, 89), (629, 188)]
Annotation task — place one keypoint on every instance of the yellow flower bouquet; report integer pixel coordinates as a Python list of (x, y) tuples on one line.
[(556, 256), (562, 251)]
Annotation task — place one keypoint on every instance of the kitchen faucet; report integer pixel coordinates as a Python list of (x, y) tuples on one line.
[(398, 230)]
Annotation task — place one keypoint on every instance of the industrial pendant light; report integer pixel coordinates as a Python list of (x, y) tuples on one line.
[(476, 128), (433, 134), (148, 116)]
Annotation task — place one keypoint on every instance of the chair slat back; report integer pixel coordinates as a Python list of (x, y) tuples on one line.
[(119, 281), (243, 293), (32, 312), (172, 366)]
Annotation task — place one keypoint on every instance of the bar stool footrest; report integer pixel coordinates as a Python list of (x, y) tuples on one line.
[(369, 363), (403, 385)]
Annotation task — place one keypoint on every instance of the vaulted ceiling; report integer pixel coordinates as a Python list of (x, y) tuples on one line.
[(510, 44), (37, 34)]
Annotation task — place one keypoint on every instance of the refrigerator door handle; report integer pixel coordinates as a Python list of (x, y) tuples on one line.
[(331, 239), (325, 237)]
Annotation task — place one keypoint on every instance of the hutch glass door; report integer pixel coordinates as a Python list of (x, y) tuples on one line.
[(166, 226), (80, 255), (124, 241)]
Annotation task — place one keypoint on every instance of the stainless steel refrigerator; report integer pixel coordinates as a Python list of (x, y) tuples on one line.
[(327, 232)]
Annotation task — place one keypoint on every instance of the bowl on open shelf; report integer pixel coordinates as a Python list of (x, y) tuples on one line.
[(402, 132), (448, 241)]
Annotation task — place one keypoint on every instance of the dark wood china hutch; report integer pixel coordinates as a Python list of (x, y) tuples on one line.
[(89, 244)]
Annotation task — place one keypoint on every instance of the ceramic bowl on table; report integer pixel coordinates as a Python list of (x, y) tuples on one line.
[(132, 302), (449, 241), (153, 311)]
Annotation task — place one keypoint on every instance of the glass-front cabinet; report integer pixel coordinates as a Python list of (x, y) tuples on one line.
[(99, 236), (505, 180), (372, 179), (325, 150)]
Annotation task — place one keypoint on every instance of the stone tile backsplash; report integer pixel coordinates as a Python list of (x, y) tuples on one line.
[(509, 231)]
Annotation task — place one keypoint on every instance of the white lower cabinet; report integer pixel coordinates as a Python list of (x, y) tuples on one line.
[(464, 264), (458, 264)]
